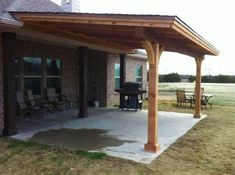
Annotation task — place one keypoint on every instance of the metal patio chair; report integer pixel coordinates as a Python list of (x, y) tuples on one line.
[(36, 106), (22, 109), (182, 100), (54, 100)]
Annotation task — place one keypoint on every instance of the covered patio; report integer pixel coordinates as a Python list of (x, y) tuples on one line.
[(117, 133), (118, 34)]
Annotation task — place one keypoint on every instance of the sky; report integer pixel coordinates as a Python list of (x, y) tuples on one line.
[(214, 20)]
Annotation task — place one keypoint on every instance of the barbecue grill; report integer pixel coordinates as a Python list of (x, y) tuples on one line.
[(131, 95)]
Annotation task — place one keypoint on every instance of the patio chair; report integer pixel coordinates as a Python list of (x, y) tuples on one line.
[(54, 100), (22, 109), (182, 100), (36, 106), (205, 101)]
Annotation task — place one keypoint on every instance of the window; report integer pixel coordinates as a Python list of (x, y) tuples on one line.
[(117, 75), (33, 74), (139, 73), (54, 74)]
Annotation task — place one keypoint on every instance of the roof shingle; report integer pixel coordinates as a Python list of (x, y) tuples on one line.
[(27, 6)]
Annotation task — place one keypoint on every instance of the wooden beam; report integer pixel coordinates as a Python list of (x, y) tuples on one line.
[(197, 112), (154, 51), (8, 49), (83, 57), (170, 44), (195, 38), (114, 20)]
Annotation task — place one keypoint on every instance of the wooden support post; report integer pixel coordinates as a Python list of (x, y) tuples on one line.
[(122, 76), (197, 113), (83, 56), (8, 49), (154, 51)]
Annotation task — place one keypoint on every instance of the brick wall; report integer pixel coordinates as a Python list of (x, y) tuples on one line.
[(69, 59), (131, 63), (1, 89), (97, 77)]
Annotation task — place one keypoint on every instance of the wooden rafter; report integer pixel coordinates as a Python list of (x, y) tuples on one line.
[(80, 37)]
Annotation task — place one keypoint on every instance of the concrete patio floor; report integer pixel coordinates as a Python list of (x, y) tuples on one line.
[(127, 126)]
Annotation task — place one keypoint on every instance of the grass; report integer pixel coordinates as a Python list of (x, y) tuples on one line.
[(223, 94), (91, 155), (208, 148)]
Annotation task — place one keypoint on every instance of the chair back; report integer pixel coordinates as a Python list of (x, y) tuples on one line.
[(20, 100), (180, 94), (19, 97), (51, 95), (29, 94), (30, 97)]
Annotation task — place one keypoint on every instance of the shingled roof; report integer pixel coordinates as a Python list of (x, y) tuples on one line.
[(27, 6)]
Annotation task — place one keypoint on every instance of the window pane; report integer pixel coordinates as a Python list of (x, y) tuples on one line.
[(117, 75), (117, 83), (117, 70), (53, 67), (138, 71), (34, 84), (54, 83), (32, 66)]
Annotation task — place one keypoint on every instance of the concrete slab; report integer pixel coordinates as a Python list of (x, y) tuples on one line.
[(130, 126)]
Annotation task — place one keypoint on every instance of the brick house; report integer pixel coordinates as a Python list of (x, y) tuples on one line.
[(30, 52), (86, 56)]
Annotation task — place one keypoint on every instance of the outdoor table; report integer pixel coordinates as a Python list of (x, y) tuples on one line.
[(190, 94), (204, 101)]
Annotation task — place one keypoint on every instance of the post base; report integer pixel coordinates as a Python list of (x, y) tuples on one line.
[(9, 132), (197, 115), (151, 148), (82, 115)]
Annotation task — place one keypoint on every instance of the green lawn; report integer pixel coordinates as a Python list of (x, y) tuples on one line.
[(223, 94), (208, 148)]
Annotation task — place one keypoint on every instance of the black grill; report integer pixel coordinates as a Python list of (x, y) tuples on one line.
[(131, 95), (132, 86)]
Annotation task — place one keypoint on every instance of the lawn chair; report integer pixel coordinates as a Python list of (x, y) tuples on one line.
[(54, 100), (182, 100), (36, 107), (194, 94), (22, 109), (205, 101)]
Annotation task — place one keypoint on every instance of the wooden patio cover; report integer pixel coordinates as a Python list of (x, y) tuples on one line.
[(122, 32), (153, 33)]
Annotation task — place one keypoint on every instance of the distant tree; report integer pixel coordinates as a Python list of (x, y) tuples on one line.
[(172, 77), (191, 78), (218, 79)]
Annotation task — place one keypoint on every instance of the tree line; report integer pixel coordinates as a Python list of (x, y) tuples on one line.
[(175, 77)]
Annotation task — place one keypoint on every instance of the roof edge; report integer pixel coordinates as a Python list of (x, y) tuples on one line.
[(11, 22), (179, 23)]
